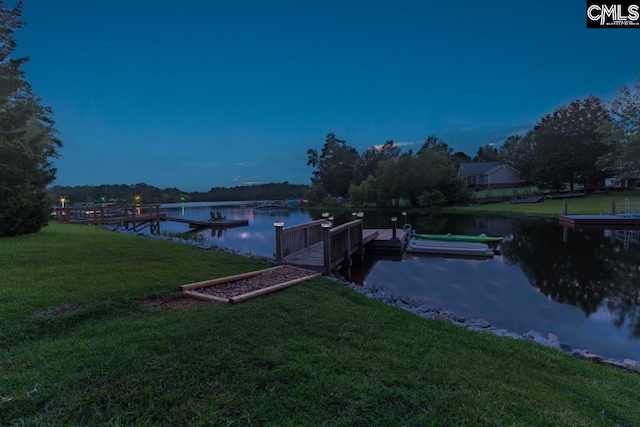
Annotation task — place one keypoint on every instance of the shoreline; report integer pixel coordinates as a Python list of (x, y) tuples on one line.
[(420, 309)]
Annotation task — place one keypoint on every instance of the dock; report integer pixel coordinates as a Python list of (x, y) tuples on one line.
[(218, 223), (611, 222), (319, 246), (135, 217)]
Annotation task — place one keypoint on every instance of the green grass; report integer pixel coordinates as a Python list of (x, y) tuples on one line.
[(579, 205), (314, 354)]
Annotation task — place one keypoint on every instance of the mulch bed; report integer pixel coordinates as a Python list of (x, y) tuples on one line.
[(238, 288)]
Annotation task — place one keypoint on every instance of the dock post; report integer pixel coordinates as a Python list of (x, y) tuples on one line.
[(326, 227), (613, 206), (278, 225), (564, 204)]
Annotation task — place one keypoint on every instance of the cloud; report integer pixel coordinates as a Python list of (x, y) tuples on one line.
[(399, 144)]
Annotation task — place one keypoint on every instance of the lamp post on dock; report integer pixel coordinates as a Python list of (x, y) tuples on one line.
[(395, 226), (326, 241), (278, 225), (404, 215)]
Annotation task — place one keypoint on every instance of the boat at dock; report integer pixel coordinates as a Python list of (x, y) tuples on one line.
[(271, 206), (451, 248)]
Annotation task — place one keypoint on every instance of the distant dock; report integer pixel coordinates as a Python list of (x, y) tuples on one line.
[(613, 222), (218, 223)]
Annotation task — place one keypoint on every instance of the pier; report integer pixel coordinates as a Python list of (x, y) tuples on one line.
[(318, 246), (135, 217), (196, 225)]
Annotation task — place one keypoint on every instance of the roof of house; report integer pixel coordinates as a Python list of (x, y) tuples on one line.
[(478, 168)]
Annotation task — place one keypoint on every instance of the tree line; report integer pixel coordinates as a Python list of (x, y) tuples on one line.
[(146, 194), (580, 143)]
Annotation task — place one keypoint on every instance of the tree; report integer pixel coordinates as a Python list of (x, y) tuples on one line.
[(373, 156), (488, 153), (517, 152), (27, 140), (334, 167), (623, 133), (568, 144)]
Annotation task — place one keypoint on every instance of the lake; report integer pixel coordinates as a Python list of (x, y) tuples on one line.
[(581, 285)]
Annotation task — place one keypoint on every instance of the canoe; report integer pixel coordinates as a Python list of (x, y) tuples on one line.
[(482, 238)]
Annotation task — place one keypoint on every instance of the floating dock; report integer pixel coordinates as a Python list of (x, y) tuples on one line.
[(218, 223), (611, 222), (384, 242), (462, 249)]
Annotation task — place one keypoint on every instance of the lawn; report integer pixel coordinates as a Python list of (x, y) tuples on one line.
[(314, 354), (598, 204)]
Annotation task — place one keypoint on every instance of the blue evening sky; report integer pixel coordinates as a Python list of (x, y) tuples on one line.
[(197, 94)]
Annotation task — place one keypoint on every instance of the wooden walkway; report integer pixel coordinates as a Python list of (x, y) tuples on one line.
[(377, 240), (313, 256)]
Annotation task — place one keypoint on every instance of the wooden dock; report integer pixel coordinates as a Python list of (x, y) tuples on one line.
[(313, 256), (386, 243), (136, 217), (323, 248), (218, 223), (610, 222)]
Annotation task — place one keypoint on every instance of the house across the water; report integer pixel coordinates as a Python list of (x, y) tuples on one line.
[(489, 175)]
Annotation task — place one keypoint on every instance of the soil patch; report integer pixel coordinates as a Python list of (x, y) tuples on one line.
[(171, 302), (59, 311)]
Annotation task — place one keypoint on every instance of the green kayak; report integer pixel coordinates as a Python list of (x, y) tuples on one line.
[(483, 238)]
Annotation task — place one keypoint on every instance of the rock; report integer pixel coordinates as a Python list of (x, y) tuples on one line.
[(614, 362), (591, 356), (536, 337), (632, 365), (552, 338), (483, 323)]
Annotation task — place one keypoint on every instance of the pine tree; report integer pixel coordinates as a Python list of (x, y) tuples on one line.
[(28, 140)]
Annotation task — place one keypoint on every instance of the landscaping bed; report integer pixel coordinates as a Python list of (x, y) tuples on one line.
[(240, 287)]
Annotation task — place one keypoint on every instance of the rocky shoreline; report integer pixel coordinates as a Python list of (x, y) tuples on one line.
[(480, 325), (420, 309)]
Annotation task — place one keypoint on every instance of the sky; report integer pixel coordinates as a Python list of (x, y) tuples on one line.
[(206, 93)]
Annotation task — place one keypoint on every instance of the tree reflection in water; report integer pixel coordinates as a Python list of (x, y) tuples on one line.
[(585, 270)]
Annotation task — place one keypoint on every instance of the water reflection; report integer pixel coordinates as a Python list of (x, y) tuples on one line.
[(586, 270)]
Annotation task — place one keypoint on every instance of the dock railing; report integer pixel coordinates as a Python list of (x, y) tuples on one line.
[(296, 238), (107, 214), (344, 240), (338, 243)]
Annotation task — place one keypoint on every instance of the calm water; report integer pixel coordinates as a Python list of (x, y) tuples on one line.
[(581, 285)]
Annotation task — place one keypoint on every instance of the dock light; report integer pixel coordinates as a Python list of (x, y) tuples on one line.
[(404, 214), (62, 200), (279, 251), (360, 215), (325, 214), (395, 221), (325, 224)]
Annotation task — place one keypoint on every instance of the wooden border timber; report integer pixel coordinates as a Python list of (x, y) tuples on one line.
[(187, 289), (221, 280)]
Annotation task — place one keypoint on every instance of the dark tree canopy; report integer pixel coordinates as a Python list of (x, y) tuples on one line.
[(568, 144), (488, 153), (334, 167), (27, 140)]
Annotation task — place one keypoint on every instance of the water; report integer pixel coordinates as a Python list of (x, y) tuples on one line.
[(581, 285)]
